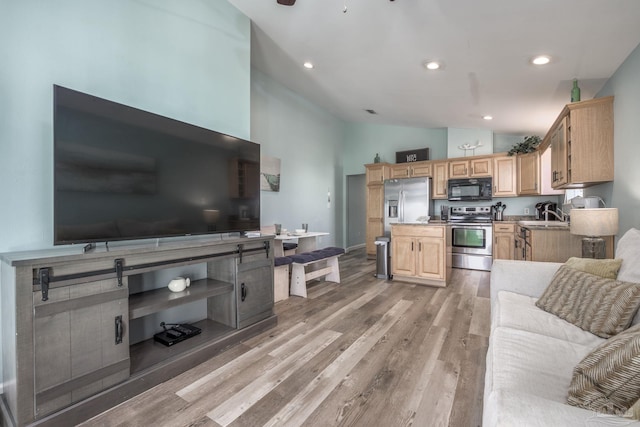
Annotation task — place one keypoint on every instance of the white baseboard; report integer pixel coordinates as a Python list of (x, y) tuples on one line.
[(353, 248)]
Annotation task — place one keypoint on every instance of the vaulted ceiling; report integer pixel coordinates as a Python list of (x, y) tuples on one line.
[(372, 56)]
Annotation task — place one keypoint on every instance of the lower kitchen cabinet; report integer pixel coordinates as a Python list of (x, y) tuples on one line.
[(550, 244), (420, 254), (503, 240)]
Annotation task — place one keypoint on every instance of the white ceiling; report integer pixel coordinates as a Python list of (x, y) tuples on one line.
[(371, 56)]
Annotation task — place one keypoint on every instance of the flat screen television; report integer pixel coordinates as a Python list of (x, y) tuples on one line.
[(122, 173)]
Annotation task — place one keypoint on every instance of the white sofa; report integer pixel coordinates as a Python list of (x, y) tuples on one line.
[(532, 354)]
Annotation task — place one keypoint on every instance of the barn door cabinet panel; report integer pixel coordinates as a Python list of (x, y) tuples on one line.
[(68, 319)]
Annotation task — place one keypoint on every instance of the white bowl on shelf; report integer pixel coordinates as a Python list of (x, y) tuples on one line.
[(300, 231)]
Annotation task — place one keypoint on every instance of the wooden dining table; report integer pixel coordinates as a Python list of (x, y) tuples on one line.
[(306, 241)]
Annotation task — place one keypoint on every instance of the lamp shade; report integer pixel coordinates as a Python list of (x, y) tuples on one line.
[(594, 222)]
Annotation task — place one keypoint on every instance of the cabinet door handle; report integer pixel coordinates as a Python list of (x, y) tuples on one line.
[(243, 292), (420, 247), (411, 246), (119, 329)]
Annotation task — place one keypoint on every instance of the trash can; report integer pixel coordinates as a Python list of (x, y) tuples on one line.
[(383, 270)]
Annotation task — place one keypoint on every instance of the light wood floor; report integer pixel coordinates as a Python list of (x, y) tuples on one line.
[(365, 352)]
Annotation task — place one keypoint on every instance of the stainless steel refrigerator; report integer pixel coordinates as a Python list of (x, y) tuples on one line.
[(406, 201)]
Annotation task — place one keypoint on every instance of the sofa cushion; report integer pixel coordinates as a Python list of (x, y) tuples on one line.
[(608, 379), (526, 362), (634, 411), (628, 249), (512, 409), (601, 306), (520, 312), (600, 267)]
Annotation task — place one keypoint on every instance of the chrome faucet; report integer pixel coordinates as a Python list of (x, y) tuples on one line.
[(561, 217)]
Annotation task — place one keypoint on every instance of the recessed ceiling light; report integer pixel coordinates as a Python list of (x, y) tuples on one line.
[(541, 60), (487, 117), (308, 65), (431, 65)]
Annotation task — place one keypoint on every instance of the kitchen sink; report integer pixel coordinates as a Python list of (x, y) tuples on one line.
[(546, 224)]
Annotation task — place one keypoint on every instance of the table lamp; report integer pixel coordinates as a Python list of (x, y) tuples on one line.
[(593, 224)]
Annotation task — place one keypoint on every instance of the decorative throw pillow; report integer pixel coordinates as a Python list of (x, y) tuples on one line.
[(607, 268), (608, 379), (601, 306)]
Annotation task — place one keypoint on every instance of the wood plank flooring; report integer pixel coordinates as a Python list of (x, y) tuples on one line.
[(366, 352)]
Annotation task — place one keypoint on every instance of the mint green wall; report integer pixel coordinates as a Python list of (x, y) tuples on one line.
[(624, 192), (189, 60), (363, 141), (186, 60), (308, 141)]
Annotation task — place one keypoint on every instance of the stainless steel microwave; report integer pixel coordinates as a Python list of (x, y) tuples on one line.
[(466, 189)]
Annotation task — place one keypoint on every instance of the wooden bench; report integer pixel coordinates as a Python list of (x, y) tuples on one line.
[(300, 277), (281, 278)]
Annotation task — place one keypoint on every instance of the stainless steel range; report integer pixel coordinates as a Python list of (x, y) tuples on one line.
[(471, 237)]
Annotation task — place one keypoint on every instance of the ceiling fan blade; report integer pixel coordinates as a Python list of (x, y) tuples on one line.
[(287, 2)]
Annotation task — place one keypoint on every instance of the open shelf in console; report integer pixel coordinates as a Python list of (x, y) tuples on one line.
[(148, 353), (149, 302)]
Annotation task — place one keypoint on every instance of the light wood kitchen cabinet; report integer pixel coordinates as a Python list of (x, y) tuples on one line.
[(375, 175), (419, 254), (550, 244), (559, 154), (581, 141), (534, 174), (504, 177), (503, 240), (522, 243), (471, 168), (528, 166), (439, 181), (411, 170)]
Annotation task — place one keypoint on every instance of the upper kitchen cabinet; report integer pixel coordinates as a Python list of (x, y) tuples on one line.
[(439, 182), (470, 168), (581, 141), (534, 174), (410, 170), (377, 173), (504, 176)]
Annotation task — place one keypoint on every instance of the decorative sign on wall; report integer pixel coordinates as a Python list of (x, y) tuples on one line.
[(416, 155)]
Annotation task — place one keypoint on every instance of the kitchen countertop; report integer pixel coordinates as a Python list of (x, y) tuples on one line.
[(433, 222), (544, 225)]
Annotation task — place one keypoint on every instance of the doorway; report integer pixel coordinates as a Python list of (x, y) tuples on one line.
[(356, 211)]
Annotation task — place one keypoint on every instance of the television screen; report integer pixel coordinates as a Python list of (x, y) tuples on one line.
[(123, 173)]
